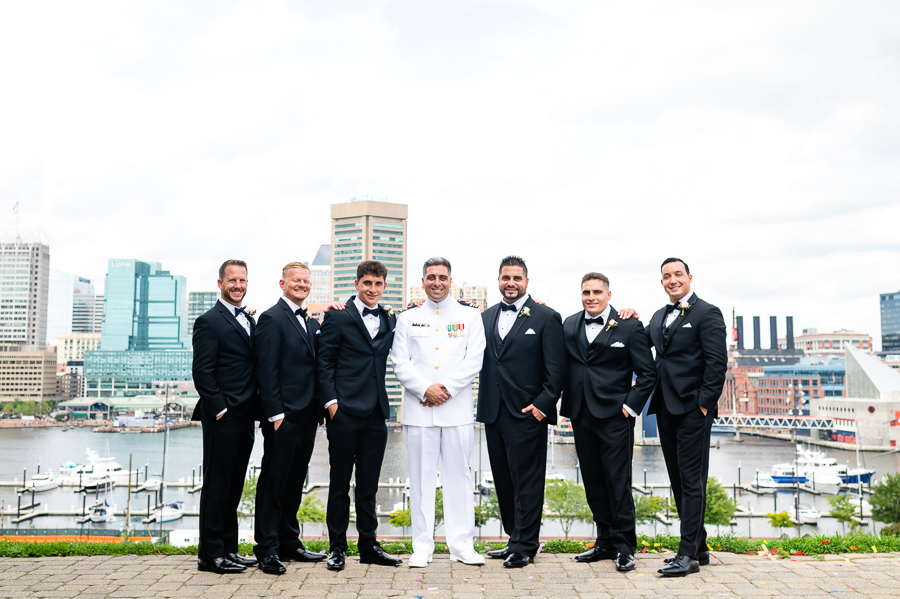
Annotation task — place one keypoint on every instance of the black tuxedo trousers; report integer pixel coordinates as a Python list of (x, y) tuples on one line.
[(684, 439), (227, 443), (517, 448), (358, 440), (279, 490), (604, 447)]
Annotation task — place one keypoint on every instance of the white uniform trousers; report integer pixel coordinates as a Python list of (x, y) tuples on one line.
[(453, 446)]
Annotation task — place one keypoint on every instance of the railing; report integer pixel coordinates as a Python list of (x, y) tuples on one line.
[(785, 422)]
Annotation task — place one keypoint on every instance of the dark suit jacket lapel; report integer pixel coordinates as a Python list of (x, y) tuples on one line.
[(355, 315), (603, 336), (520, 318), (681, 319), (493, 338), (227, 315), (576, 336), (384, 327), (293, 318)]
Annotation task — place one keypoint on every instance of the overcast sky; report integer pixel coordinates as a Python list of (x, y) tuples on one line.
[(758, 141)]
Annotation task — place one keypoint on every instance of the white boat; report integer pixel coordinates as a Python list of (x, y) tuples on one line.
[(765, 482), (99, 482), (809, 514), (41, 482), (170, 511), (71, 472), (103, 513), (486, 487), (152, 483)]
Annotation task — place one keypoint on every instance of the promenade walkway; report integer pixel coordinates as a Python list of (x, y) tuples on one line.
[(728, 575)]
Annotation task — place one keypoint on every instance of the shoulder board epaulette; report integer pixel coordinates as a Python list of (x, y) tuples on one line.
[(463, 302)]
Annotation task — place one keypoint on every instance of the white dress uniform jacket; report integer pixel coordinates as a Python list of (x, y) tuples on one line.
[(438, 344)]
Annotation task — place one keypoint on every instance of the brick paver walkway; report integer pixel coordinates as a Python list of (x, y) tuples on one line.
[(728, 575)]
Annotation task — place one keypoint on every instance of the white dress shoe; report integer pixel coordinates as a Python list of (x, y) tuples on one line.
[(419, 560), (468, 557)]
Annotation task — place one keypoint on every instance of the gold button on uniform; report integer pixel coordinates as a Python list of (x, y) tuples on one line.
[(436, 367), (437, 347), (437, 312)]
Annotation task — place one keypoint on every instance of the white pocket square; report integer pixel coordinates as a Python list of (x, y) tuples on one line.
[(687, 326), (530, 332), (618, 344), (317, 332)]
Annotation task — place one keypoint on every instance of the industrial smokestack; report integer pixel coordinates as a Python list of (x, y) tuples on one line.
[(773, 332), (789, 332), (756, 343), (739, 324)]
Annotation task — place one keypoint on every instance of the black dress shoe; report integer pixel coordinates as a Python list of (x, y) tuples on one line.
[(624, 562), (241, 560), (335, 560), (271, 565), (595, 554), (301, 554), (681, 565), (377, 555), (702, 558), (499, 553), (220, 565), (518, 560)]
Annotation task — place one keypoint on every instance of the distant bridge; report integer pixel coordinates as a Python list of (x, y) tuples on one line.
[(784, 422)]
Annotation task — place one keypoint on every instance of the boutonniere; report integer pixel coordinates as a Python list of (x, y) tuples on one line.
[(388, 311), (526, 311), (611, 324), (250, 313), (683, 306)]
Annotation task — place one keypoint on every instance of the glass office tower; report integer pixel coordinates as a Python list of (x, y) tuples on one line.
[(890, 322)]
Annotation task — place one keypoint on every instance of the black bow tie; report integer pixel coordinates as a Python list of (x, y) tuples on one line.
[(375, 311), (670, 308), (504, 306), (240, 311), (598, 320), (300, 312)]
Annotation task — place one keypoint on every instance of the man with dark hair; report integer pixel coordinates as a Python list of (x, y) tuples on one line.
[(521, 379), (286, 340), (691, 358), (224, 376), (354, 344), (603, 350)]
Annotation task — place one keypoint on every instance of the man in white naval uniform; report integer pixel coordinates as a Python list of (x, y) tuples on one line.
[(437, 352)]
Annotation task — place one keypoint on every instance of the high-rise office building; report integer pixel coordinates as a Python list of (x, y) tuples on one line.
[(320, 277), (24, 285), (72, 346), (475, 295), (368, 230), (70, 304), (198, 303), (890, 323), (97, 321), (145, 308)]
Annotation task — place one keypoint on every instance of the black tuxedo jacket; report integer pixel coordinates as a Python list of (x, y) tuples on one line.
[(526, 368), (351, 364), (600, 374), (223, 367), (286, 364), (693, 362)]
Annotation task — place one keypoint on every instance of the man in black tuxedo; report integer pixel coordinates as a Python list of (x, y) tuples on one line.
[(521, 379), (353, 350), (286, 340), (691, 358), (225, 380), (602, 353)]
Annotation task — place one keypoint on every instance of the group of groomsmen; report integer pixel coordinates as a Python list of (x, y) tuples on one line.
[(289, 373)]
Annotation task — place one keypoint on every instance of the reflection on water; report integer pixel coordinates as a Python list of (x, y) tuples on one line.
[(24, 448)]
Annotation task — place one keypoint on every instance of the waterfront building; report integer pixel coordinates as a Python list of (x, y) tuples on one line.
[(371, 230), (476, 295), (70, 304), (127, 373), (890, 327), (320, 278), (782, 390), (27, 375), (68, 384), (24, 287), (198, 303), (86, 408), (145, 308), (71, 346), (829, 345)]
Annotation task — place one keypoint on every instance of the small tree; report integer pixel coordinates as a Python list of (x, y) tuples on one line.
[(647, 509), (248, 495), (567, 502), (403, 517), (885, 499), (842, 510), (311, 510), (438, 508), (720, 507), (780, 520), (487, 511)]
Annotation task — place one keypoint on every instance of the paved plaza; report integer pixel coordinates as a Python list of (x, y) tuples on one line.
[(728, 575)]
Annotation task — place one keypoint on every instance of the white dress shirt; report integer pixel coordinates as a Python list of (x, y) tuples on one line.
[(507, 318), (670, 318), (294, 307), (594, 329), (244, 322), (372, 322)]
